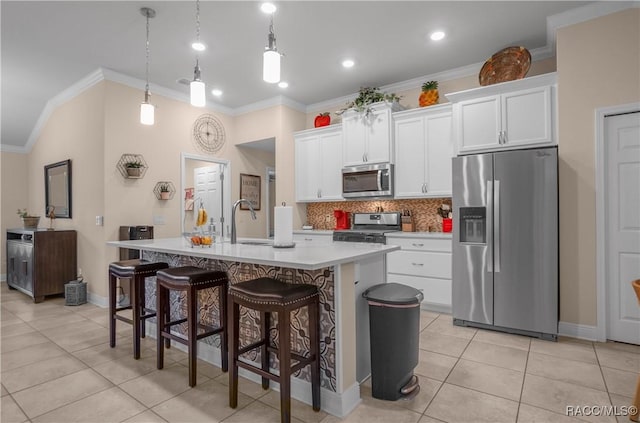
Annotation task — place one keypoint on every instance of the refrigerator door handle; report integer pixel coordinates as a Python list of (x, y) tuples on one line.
[(496, 240), (490, 226)]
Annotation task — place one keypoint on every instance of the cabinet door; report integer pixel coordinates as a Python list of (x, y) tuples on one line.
[(331, 166), (410, 157), (354, 146), (13, 262), (439, 145), (478, 124), (378, 126), (526, 117), (307, 169)]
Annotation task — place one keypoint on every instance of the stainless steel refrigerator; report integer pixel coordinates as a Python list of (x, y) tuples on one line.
[(505, 241)]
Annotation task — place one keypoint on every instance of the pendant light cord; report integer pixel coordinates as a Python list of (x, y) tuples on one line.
[(147, 57)]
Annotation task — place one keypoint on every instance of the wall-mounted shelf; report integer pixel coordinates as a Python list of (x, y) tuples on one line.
[(168, 193), (132, 172)]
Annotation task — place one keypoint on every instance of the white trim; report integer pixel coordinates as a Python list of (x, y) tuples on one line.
[(98, 300), (279, 100), (268, 171), (573, 330), (3, 277), (601, 260), (8, 148), (337, 307)]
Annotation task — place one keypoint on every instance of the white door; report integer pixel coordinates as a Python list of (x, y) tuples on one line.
[(439, 153), (526, 117), (410, 158), (207, 190), (331, 172), (354, 145), (379, 137), (479, 124), (622, 199), (307, 169)]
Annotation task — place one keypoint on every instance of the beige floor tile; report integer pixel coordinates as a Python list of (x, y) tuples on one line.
[(443, 344), (375, 411), (618, 359), (555, 395), (32, 314), (503, 339), (102, 353), (48, 396), (246, 386), (433, 365), (620, 382), (562, 369), (427, 317), (19, 342), (16, 329), (71, 330), (22, 304), (444, 325), (89, 310), (4, 390), (257, 412), (206, 402), (65, 319), (299, 409), (160, 385), (564, 348), (110, 405), (127, 368), (618, 346), (489, 379), (146, 417), (427, 419), (32, 354), (457, 404), (84, 340), (428, 389), (496, 355), (622, 405), (209, 370), (40, 372), (10, 412), (531, 414), (9, 319)]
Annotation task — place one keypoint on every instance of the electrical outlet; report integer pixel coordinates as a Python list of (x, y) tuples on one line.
[(327, 218), (158, 220), (99, 220)]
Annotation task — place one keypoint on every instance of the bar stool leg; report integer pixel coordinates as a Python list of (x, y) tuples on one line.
[(224, 336), (166, 306), (142, 302), (234, 328), (112, 310), (192, 327), (161, 320), (265, 318), (135, 309), (284, 356), (314, 344)]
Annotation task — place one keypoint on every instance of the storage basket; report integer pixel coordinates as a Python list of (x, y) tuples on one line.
[(75, 293)]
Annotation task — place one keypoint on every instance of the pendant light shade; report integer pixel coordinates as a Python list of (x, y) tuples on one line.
[(147, 110), (271, 58)]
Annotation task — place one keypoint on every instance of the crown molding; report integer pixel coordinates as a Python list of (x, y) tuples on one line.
[(278, 100), (8, 148)]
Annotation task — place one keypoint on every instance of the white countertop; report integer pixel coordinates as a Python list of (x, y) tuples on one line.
[(305, 255), (313, 231), (443, 235)]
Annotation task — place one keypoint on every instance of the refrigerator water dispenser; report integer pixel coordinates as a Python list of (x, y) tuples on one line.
[(473, 225)]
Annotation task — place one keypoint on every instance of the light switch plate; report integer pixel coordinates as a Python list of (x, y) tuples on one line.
[(99, 220), (158, 220)]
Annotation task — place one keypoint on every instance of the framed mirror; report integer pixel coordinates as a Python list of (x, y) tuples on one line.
[(57, 189)]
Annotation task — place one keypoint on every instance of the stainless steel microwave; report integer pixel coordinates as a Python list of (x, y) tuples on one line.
[(367, 181)]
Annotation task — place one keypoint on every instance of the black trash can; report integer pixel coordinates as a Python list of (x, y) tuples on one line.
[(394, 327)]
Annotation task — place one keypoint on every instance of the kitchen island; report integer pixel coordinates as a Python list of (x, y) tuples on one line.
[(341, 270)]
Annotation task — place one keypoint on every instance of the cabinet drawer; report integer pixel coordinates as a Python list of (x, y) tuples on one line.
[(326, 239), (421, 244), (436, 291), (414, 263)]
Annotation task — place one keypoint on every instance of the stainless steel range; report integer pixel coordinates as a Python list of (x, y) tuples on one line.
[(370, 227)]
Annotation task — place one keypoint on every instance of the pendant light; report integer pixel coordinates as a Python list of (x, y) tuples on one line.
[(198, 95), (271, 57), (147, 110)]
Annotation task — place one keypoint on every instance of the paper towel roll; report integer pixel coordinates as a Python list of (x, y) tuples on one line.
[(283, 222)]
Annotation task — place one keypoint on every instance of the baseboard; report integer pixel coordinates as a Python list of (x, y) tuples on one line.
[(331, 402), (3, 277), (574, 330), (435, 307), (98, 300)]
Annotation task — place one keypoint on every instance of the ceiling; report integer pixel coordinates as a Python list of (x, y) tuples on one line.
[(48, 46)]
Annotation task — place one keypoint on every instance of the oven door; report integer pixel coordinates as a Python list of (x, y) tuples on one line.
[(367, 181)]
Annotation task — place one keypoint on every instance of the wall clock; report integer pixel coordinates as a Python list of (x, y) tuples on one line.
[(208, 133)]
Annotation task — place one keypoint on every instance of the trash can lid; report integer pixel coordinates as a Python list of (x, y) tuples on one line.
[(393, 293)]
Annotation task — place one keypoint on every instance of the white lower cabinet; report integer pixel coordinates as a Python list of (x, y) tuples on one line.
[(423, 263), (324, 237)]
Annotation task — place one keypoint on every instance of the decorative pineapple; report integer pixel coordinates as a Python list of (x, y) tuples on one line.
[(429, 94)]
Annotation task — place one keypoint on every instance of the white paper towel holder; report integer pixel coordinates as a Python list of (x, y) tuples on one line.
[(287, 245)]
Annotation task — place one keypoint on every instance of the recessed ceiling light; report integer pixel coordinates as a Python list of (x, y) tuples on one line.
[(216, 92), (198, 46), (437, 36), (348, 63), (268, 8), (283, 84)]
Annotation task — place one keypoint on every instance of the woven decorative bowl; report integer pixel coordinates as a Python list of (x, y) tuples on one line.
[(508, 64)]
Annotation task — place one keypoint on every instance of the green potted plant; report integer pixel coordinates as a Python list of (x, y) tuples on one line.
[(28, 221), (134, 168), (366, 97), (164, 191)]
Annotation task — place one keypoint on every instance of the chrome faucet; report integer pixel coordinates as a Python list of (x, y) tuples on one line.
[(233, 217)]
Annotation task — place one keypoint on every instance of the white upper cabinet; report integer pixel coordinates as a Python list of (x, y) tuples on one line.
[(423, 150), (318, 164), (511, 115), (368, 139)]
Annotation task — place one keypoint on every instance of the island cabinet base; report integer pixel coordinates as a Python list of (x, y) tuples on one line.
[(344, 326)]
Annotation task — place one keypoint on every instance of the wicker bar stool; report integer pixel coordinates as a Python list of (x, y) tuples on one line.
[(268, 296), (190, 279), (137, 271)]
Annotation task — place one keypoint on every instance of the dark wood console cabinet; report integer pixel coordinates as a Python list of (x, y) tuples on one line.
[(40, 262)]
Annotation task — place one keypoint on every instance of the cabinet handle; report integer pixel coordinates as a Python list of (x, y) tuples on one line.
[(417, 245), (12, 263), (426, 188), (25, 266), (366, 157), (418, 264), (363, 159), (504, 137), (308, 239), (320, 193)]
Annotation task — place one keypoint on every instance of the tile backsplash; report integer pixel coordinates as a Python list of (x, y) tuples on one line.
[(320, 215)]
